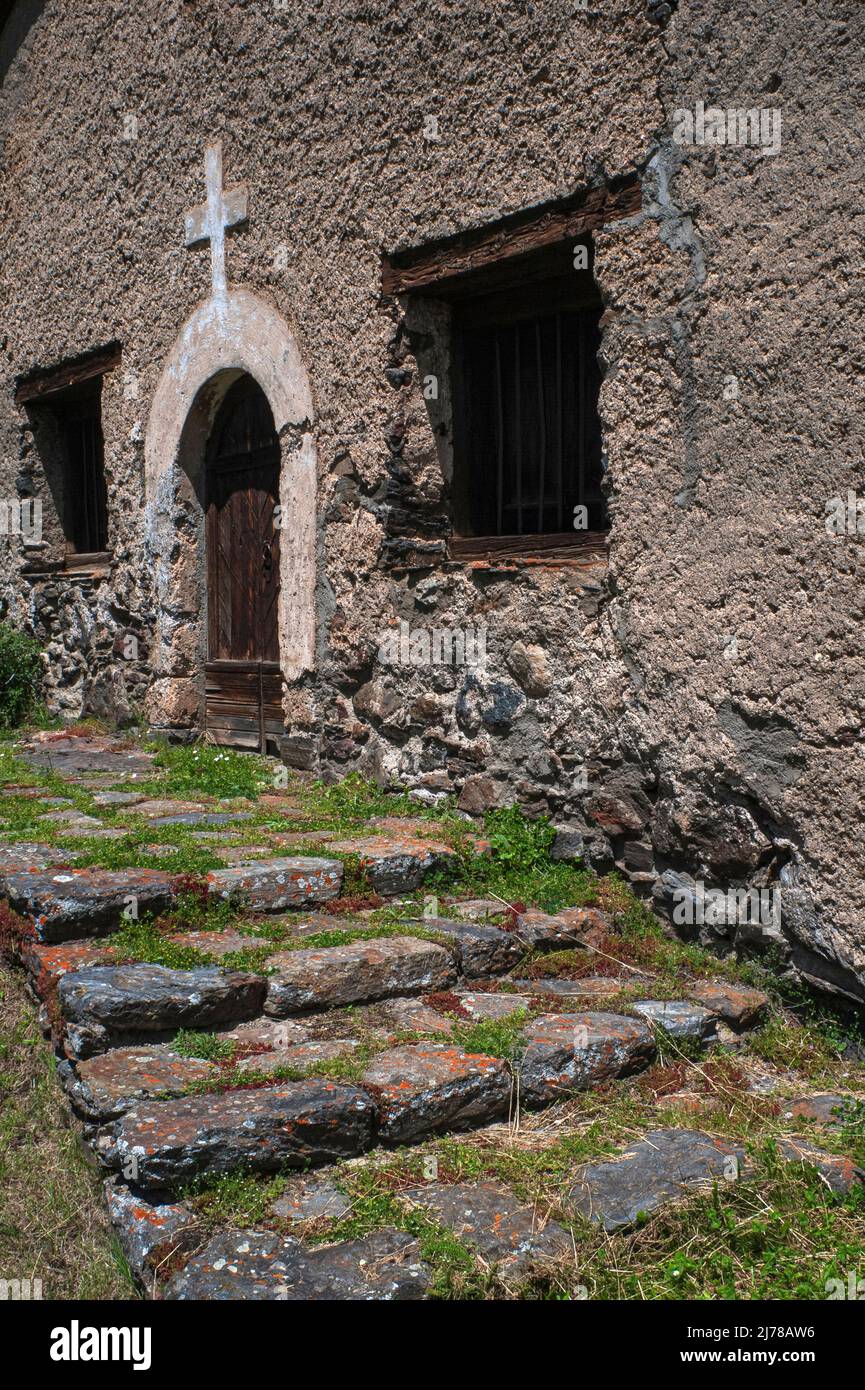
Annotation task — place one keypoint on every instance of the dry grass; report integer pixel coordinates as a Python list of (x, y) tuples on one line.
[(53, 1224)]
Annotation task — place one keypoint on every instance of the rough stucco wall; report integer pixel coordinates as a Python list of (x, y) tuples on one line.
[(741, 615), (738, 264)]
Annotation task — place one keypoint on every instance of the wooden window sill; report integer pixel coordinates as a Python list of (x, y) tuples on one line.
[(74, 566), (564, 548)]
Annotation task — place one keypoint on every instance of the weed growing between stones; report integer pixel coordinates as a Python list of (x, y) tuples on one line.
[(208, 1046), (493, 1037), (215, 771)]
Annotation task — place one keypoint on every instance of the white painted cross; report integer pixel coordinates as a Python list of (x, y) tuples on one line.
[(225, 207)]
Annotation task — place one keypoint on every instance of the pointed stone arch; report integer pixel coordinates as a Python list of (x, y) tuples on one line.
[(223, 339)]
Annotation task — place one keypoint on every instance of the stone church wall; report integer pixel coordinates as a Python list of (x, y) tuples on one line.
[(690, 709)]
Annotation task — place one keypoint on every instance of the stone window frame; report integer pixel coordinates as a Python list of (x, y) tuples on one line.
[(48, 393), (498, 255)]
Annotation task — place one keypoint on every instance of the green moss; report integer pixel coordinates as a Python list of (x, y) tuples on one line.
[(206, 1045)]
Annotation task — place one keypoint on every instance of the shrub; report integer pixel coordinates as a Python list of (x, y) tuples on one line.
[(20, 676)]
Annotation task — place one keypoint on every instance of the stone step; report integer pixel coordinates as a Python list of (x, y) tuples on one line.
[(396, 863), (739, 1006), (362, 970), (428, 1088), (30, 858), (106, 1006), (150, 1232), (666, 1166), (678, 1017), (670, 1164), (573, 926), (296, 1124), (384, 1266), (481, 950), (105, 1086), (566, 1052), (275, 885), (488, 1218), (84, 902)]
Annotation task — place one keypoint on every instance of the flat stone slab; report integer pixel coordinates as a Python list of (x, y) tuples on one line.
[(477, 909), (152, 808), (488, 1218), (70, 754), (837, 1171), (103, 1087), (264, 1034), (384, 1266), (396, 863), (295, 1125), (738, 1005), (361, 970), (573, 926), (84, 902), (482, 950), (45, 965), (570, 1052), (202, 818), (277, 884), (493, 1005), (300, 1055), (825, 1108), (27, 857), (590, 987), (677, 1017), (150, 1232), (425, 1088), (416, 1016), (72, 820), (666, 1166), (105, 1005), (117, 798), (311, 1199)]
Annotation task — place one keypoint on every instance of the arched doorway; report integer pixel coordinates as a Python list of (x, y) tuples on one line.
[(243, 685)]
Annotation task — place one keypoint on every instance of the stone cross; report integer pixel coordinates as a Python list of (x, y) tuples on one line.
[(225, 207)]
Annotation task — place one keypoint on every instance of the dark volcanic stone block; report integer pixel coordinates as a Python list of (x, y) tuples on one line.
[(277, 884), (294, 1125), (488, 1217), (104, 1087), (150, 1232), (738, 1005), (838, 1171), (397, 863), (362, 970), (678, 1018), (425, 1088), (570, 1052), (664, 1167), (85, 902), (261, 1265), (107, 1004), (573, 926), (482, 950)]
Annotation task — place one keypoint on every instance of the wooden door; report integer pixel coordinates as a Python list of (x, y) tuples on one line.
[(243, 682)]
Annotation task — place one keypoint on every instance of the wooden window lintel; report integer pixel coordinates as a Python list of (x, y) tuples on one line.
[(422, 268)]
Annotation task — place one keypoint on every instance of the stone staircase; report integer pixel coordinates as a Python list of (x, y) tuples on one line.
[(341, 1051)]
